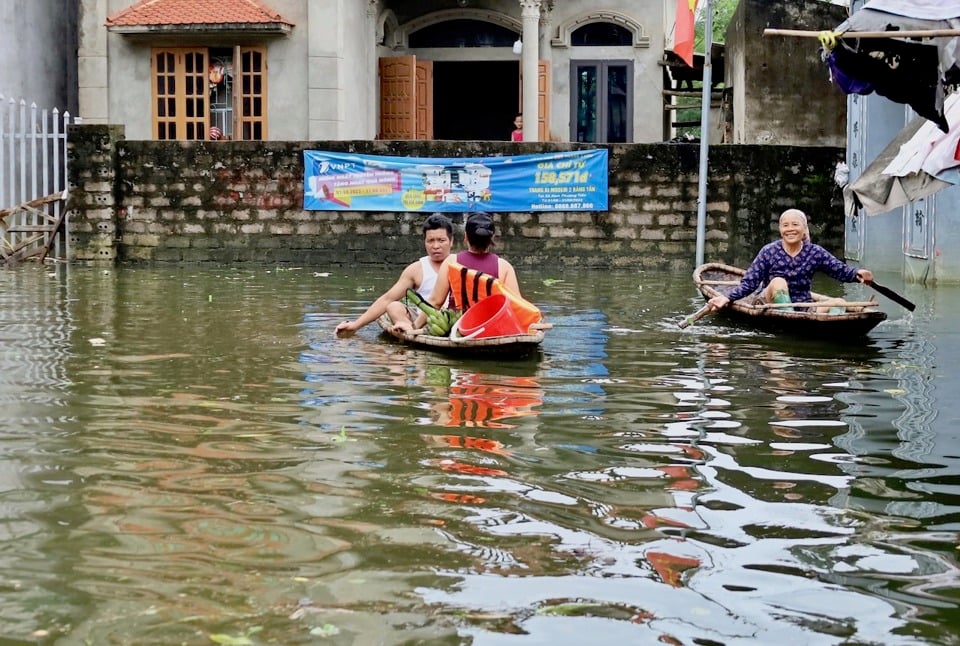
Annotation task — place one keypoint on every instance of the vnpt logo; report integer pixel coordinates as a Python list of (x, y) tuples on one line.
[(326, 165)]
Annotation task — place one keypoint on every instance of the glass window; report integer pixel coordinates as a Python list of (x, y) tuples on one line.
[(602, 101), (463, 33), (206, 106), (598, 34)]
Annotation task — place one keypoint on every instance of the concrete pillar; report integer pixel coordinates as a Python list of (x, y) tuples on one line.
[(529, 59), (92, 82), (91, 207)]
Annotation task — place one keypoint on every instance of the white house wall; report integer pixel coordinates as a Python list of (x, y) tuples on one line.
[(342, 69), (322, 75), (647, 71)]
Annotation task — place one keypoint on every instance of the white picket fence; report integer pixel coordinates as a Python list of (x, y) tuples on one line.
[(33, 181)]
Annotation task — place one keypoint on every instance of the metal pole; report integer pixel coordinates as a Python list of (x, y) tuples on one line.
[(704, 132)]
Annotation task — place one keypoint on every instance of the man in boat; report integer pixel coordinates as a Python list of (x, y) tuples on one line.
[(785, 269), (479, 231), (420, 275)]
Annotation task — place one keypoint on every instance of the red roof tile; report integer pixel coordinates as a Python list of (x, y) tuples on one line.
[(195, 12)]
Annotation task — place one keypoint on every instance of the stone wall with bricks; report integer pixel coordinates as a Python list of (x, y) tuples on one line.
[(238, 201)]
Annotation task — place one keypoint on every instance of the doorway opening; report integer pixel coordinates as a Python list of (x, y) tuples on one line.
[(475, 100)]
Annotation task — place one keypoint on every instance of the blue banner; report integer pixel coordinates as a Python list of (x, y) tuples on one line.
[(573, 180)]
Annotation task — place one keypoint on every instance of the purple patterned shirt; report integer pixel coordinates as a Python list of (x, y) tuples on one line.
[(773, 262)]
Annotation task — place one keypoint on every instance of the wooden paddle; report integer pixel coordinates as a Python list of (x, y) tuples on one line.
[(696, 316), (892, 295)]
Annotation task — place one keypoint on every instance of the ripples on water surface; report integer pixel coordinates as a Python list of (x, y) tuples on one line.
[(188, 456)]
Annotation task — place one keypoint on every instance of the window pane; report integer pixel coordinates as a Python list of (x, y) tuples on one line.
[(598, 34), (257, 107), (587, 103), (221, 90), (463, 33), (258, 84), (616, 104), (171, 107)]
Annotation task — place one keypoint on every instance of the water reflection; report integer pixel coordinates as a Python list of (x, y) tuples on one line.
[(190, 454)]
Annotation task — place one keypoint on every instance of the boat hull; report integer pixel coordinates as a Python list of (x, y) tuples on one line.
[(514, 346), (713, 279)]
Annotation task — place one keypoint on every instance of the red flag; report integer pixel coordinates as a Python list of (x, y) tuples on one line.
[(684, 32)]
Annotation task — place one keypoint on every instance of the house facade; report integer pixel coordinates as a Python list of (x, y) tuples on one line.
[(578, 70), (915, 240)]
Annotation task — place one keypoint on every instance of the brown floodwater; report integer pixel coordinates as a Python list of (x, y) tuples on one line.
[(189, 456)]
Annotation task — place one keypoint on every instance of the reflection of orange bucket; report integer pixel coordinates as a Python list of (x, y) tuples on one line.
[(489, 317)]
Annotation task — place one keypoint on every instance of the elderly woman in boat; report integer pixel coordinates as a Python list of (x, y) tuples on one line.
[(785, 269)]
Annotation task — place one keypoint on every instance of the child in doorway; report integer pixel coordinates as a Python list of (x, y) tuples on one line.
[(517, 134)]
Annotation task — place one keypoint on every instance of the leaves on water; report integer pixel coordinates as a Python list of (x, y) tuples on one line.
[(342, 436), (326, 630), (238, 640), (550, 282)]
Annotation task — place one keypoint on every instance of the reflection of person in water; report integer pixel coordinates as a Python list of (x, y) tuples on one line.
[(483, 400)]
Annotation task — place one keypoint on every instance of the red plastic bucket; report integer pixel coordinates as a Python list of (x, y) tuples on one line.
[(489, 317)]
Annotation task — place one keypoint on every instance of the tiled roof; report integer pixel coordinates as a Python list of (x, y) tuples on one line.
[(162, 13)]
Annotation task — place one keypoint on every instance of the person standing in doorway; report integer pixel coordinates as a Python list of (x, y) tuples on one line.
[(517, 134)]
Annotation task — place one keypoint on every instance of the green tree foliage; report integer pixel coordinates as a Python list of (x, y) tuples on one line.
[(722, 13)]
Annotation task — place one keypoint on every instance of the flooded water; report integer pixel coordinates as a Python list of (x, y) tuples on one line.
[(188, 456)]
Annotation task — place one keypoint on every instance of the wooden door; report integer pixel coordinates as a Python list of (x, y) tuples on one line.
[(543, 99), (250, 94), (398, 97), (179, 93), (424, 121)]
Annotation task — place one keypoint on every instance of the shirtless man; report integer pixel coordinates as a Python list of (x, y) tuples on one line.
[(420, 275)]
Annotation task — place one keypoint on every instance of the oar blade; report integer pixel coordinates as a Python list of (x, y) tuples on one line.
[(696, 316), (893, 296)]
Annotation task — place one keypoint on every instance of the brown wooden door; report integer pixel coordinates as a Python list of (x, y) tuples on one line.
[(424, 99), (179, 93), (398, 97), (543, 99), (250, 94)]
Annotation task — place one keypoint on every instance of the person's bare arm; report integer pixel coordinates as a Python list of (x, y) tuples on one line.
[(508, 276), (408, 280)]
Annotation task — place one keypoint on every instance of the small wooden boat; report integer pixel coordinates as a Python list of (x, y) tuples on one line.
[(801, 319), (514, 346)]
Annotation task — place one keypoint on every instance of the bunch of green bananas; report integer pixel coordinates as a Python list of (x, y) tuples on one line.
[(439, 322)]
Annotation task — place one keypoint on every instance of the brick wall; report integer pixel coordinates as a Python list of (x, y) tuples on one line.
[(232, 202)]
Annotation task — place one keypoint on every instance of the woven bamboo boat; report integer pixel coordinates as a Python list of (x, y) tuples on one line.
[(514, 346), (800, 319)]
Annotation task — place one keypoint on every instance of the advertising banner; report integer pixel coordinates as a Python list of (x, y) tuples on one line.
[(562, 181)]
